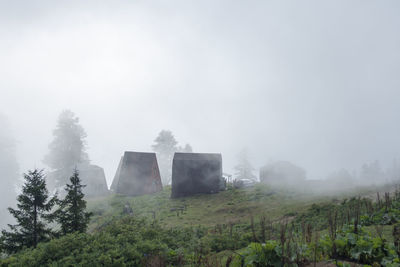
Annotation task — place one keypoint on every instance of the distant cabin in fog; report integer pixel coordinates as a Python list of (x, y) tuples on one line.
[(196, 173), (137, 174), (91, 175), (282, 173)]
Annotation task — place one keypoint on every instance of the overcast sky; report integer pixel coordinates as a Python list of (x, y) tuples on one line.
[(313, 82)]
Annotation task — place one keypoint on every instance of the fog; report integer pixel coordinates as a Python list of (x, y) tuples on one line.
[(315, 83)]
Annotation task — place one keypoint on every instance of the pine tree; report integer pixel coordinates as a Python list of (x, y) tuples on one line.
[(71, 214), (34, 211), (68, 147)]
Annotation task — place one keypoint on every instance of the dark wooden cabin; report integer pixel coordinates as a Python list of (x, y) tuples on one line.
[(196, 173), (137, 174)]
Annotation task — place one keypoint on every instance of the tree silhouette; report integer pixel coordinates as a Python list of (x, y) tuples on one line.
[(34, 211), (68, 147), (165, 146), (71, 214)]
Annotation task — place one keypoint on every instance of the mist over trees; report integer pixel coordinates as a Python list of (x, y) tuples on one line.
[(243, 168), (393, 172), (165, 145), (282, 173), (68, 147), (372, 173), (8, 170), (34, 214)]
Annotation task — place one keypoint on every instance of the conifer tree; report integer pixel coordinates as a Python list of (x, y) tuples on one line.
[(68, 147), (71, 214), (34, 211)]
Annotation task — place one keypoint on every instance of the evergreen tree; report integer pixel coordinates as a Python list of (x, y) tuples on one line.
[(244, 169), (165, 146), (34, 211), (71, 214), (68, 147)]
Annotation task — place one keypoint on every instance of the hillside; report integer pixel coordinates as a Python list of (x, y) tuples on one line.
[(256, 226), (230, 206)]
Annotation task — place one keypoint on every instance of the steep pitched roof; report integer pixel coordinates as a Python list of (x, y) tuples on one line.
[(137, 174)]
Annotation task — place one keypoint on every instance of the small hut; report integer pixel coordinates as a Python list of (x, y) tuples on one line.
[(137, 174), (91, 175), (196, 173), (282, 173)]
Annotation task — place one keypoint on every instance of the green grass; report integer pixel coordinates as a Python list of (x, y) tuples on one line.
[(230, 206), (200, 230)]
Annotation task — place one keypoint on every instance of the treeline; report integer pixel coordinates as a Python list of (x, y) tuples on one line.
[(41, 217)]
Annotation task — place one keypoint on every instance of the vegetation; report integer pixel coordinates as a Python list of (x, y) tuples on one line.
[(165, 145), (72, 215), (283, 229), (33, 212), (68, 147)]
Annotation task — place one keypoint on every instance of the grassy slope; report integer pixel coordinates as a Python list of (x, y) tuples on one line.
[(209, 210)]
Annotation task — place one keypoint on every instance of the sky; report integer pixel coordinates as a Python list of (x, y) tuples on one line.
[(316, 83)]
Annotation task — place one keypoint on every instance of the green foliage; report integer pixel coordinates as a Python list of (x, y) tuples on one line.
[(361, 247), (157, 235), (316, 215), (72, 214), (126, 242), (33, 212), (382, 217), (260, 255)]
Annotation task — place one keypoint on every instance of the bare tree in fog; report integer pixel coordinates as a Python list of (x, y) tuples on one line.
[(165, 145), (8, 171), (244, 169), (68, 147)]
